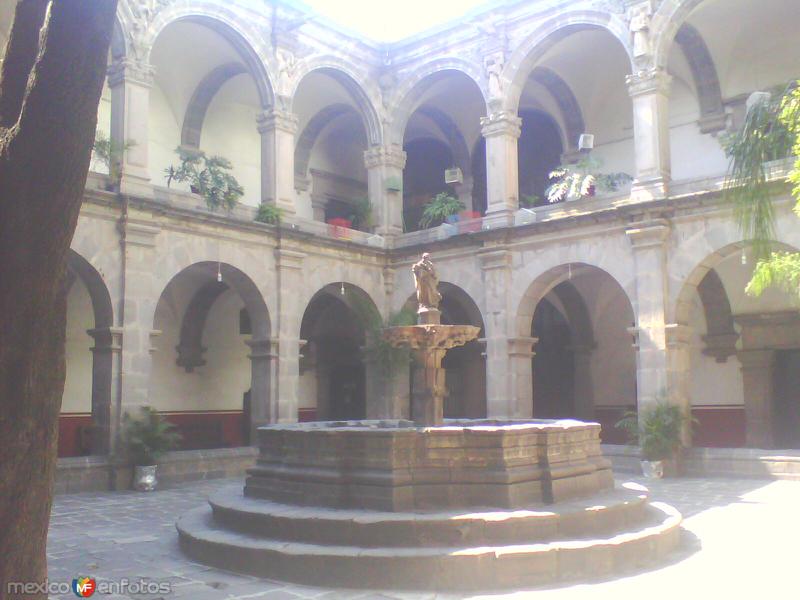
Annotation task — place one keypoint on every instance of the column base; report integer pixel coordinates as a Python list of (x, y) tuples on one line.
[(644, 190), (136, 185), (498, 218)]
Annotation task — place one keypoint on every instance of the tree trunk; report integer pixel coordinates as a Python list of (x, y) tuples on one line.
[(49, 93)]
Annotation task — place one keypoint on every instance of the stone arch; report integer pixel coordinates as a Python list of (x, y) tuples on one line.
[(699, 273), (547, 281), (210, 280), (523, 60), (568, 106), (720, 334), (409, 90), (704, 74), (454, 137), (666, 22), (231, 27), (355, 87), (577, 314), (313, 129), (106, 344), (334, 329), (201, 100)]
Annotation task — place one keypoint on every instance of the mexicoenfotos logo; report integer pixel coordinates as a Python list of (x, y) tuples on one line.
[(84, 587)]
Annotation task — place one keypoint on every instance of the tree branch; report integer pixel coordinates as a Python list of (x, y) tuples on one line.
[(23, 47)]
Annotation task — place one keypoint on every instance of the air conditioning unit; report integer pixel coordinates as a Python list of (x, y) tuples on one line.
[(586, 141), (453, 176)]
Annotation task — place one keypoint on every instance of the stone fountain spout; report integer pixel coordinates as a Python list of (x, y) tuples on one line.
[(429, 341)]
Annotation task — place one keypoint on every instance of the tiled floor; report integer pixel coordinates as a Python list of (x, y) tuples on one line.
[(740, 541)]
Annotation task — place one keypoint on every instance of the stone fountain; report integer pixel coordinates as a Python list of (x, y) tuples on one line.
[(433, 503)]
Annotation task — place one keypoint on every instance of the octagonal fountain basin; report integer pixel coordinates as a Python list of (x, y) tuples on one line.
[(393, 465), (469, 505)]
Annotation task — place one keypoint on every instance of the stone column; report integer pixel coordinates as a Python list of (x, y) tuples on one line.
[(757, 387), (130, 82), (290, 282), (106, 355), (648, 240), (679, 340), (584, 388), (385, 166), (501, 130), (278, 128), (520, 359), (507, 378), (649, 92), (139, 305), (263, 408)]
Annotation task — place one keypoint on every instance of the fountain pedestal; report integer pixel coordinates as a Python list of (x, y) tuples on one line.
[(429, 342)]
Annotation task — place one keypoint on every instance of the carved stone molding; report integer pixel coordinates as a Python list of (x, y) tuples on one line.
[(129, 70), (385, 156), (648, 234), (276, 119), (495, 259), (649, 81), (501, 123)]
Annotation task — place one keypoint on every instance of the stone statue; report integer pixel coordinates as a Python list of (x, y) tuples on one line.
[(427, 283), (494, 71), (640, 29)]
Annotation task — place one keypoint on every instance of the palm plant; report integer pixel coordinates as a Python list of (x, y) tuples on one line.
[(148, 438), (657, 430), (439, 208), (110, 152), (771, 131), (580, 180), (361, 218)]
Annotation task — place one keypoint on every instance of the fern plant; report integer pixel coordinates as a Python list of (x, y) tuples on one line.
[(388, 358), (269, 213), (439, 208), (148, 438), (208, 176)]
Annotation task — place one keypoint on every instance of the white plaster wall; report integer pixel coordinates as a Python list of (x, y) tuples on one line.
[(711, 383), (77, 396), (164, 137), (230, 131), (221, 382)]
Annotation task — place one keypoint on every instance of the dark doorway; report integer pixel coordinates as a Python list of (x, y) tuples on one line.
[(347, 394), (786, 399), (540, 150), (553, 365)]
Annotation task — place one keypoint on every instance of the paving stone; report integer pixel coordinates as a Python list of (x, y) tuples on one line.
[(738, 534)]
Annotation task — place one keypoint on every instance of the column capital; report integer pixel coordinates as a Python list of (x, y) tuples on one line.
[(263, 349), (522, 346), (289, 259), (649, 81), (648, 234), (678, 335), (130, 70), (277, 119), (385, 156), (106, 339), (758, 360), (495, 259), (502, 123)]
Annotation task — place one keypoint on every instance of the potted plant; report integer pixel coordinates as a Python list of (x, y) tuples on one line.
[(208, 176), (110, 153), (361, 217), (582, 180), (657, 431), (439, 209), (146, 440), (529, 201), (269, 213)]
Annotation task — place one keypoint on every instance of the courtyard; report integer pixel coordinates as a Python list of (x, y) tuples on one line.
[(737, 542)]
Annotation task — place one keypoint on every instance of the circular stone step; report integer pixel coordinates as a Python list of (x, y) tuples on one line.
[(444, 568), (601, 515)]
